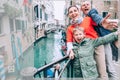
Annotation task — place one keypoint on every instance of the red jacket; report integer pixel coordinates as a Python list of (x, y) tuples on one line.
[(87, 24)]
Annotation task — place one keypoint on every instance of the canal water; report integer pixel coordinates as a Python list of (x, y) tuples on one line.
[(43, 51), (48, 49)]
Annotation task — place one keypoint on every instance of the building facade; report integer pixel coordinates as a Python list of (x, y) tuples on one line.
[(16, 30), (18, 25), (44, 17)]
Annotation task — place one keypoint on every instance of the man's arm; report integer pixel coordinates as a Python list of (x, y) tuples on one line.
[(110, 25), (93, 13)]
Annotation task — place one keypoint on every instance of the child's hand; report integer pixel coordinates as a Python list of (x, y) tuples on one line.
[(116, 44), (118, 31), (71, 54)]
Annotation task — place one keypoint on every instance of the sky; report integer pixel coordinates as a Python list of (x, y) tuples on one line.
[(59, 9)]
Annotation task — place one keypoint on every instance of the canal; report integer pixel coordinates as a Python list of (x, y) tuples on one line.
[(44, 51)]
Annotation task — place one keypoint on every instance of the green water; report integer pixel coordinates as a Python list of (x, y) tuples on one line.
[(38, 54), (43, 51)]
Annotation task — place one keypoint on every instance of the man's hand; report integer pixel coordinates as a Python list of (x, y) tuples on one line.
[(109, 24), (71, 54)]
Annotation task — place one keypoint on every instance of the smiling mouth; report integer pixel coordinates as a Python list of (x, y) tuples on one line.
[(79, 39), (86, 9)]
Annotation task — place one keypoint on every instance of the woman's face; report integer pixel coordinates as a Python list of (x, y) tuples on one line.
[(73, 13)]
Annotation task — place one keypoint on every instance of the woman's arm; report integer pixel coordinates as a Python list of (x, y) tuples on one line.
[(69, 38)]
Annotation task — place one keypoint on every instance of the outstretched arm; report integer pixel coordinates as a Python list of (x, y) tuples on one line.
[(106, 39), (109, 24), (105, 22)]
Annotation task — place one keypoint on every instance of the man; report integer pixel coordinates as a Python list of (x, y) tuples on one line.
[(86, 8)]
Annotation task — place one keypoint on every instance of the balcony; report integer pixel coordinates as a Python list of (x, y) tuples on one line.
[(11, 11)]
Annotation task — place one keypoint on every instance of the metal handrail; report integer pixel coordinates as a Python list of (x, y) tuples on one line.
[(50, 65), (63, 69)]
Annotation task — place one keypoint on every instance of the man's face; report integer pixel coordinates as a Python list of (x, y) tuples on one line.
[(73, 13), (85, 7), (78, 36)]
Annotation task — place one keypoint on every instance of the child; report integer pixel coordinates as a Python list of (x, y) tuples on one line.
[(84, 64)]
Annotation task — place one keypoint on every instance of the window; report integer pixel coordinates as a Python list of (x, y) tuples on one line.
[(18, 24), (37, 12), (25, 8), (107, 3), (65, 12), (46, 16), (40, 13), (0, 26), (70, 2), (104, 14), (2, 50), (116, 15), (11, 25), (30, 1), (13, 45), (23, 26), (16, 1)]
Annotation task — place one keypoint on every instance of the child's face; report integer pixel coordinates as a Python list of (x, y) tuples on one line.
[(73, 13), (85, 7), (78, 36)]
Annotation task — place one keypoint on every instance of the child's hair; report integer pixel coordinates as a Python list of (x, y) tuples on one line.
[(72, 6), (78, 29)]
